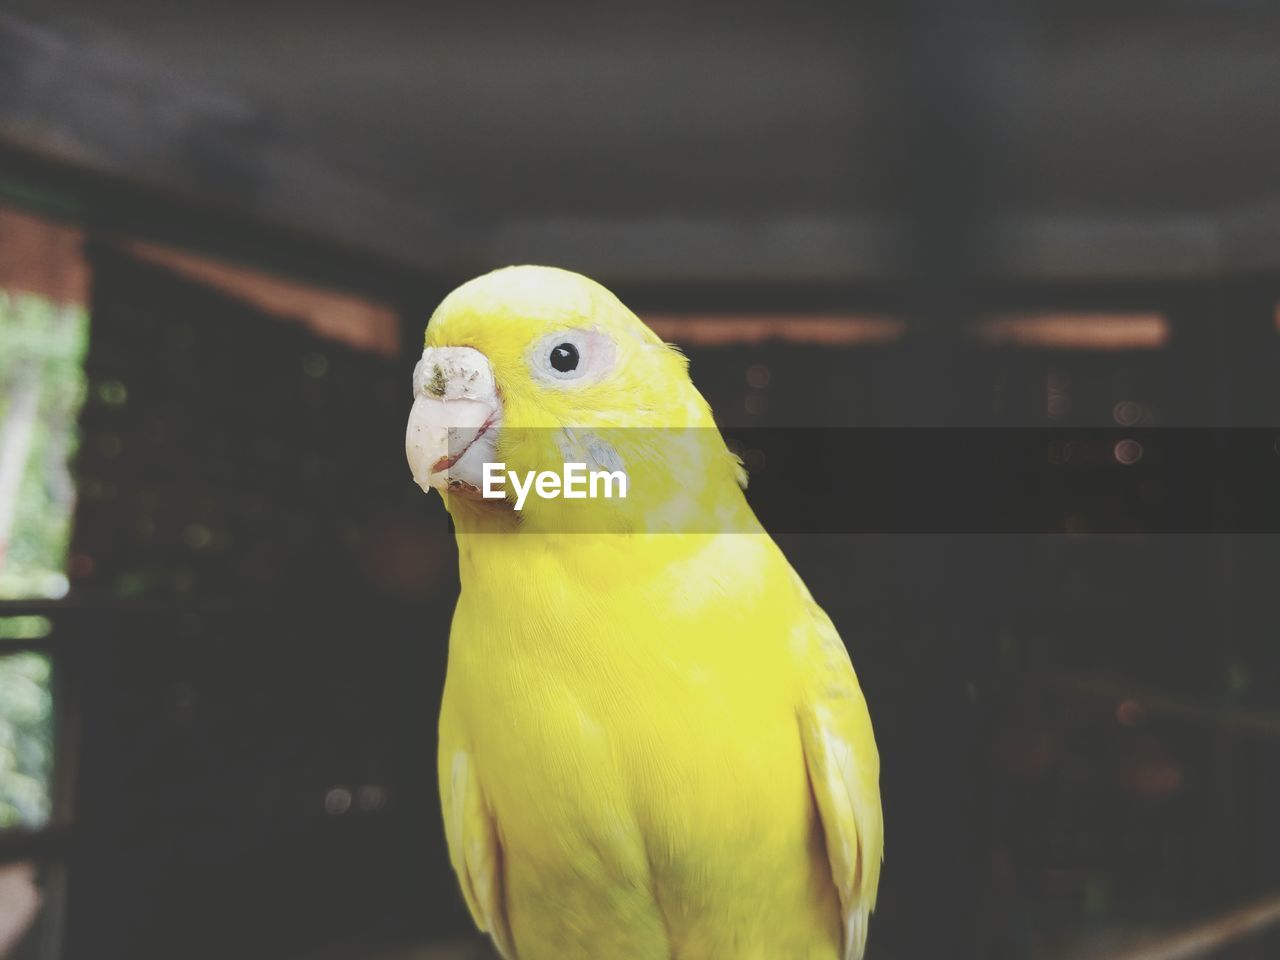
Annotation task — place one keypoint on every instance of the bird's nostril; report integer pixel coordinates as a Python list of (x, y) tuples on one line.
[(438, 383)]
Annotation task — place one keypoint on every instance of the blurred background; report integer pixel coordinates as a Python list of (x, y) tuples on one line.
[(224, 606)]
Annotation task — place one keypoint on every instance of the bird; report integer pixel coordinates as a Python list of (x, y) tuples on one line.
[(652, 741)]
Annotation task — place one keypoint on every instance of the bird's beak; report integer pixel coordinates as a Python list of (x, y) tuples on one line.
[(454, 422)]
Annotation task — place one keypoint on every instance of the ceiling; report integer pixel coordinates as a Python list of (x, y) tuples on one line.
[(678, 141)]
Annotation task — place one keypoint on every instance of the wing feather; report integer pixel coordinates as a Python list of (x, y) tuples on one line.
[(844, 770), (475, 846)]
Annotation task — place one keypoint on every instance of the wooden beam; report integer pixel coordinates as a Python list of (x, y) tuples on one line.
[(1231, 719), (43, 257), (1205, 939), (357, 321)]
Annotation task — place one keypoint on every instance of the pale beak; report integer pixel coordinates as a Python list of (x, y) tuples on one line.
[(453, 426)]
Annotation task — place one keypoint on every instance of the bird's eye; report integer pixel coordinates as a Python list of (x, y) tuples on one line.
[(569, 358), (564, 357)]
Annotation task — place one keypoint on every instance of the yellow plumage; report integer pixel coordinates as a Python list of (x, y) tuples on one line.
[(652, 743)]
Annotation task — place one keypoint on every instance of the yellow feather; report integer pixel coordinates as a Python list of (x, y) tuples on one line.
[(652, 744), (474, 847)]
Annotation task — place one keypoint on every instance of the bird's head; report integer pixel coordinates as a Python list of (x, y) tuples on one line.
[(535, 367)]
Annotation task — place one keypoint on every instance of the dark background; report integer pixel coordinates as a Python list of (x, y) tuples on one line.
[(1079, 732)]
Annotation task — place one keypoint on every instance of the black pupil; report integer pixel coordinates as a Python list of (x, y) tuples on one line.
[(564, 357)]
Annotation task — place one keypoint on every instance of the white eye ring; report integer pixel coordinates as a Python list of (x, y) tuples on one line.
[(571, 356)]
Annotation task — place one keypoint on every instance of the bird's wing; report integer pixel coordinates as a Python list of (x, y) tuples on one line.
[(844, 769), (475, 848)]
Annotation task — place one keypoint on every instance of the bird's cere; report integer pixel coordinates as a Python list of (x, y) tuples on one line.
[(455, 414)]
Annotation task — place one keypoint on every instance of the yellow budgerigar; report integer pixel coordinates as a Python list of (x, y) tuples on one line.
[(652, 742)]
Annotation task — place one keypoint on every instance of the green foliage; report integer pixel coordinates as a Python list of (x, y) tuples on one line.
[(26, 739), (42, 349), (44, 344)]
